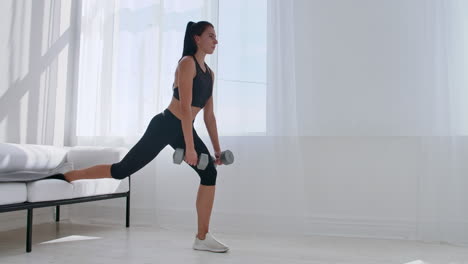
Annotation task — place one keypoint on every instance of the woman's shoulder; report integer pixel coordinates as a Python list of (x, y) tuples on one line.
[(188, 59), (186, 63)]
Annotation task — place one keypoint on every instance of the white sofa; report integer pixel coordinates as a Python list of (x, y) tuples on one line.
[(24, 185)]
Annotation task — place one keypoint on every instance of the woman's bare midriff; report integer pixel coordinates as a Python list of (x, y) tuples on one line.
[(174, 107)]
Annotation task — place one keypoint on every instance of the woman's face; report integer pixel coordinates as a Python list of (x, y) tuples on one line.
[(207, 41)]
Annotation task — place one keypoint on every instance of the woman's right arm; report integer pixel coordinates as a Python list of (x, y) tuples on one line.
[(185, 74)]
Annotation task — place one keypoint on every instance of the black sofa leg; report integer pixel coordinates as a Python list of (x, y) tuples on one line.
[(29, 230), (57, 213), (128, 211)]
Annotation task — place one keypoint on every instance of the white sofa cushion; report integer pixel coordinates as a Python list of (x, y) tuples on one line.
[(99, 186), (48, 190), (84, 157), (40, 159), (29, 157), (53, 189), (13, 192)]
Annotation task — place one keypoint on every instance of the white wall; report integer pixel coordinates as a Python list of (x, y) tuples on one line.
[(36, 71), (37, 45), (360, 66)]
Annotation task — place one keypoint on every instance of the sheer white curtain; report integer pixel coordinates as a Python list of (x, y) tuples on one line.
[(284, 151), (443, 201)]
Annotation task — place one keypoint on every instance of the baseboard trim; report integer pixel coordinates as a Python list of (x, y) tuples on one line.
[(361, 227)]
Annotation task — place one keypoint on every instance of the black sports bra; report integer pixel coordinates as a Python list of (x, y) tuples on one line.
[(202, 87)]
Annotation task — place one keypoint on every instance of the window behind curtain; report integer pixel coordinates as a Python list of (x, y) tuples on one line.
[(129, 52), (241, 75)]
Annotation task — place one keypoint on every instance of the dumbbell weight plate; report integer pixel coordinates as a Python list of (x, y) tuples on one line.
[(178, 156), (227, 157), (203, 162)]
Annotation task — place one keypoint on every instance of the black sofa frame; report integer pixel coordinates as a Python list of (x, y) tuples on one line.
[(30, 206)]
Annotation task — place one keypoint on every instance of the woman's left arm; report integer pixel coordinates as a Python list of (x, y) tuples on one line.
[(210, 123)]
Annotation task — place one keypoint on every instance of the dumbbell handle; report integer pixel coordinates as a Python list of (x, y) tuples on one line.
[(227, 157)]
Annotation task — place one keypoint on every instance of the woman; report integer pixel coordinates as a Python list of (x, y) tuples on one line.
[(193, 89)]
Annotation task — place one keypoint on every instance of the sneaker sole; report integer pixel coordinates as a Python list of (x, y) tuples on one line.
[(212, 250)]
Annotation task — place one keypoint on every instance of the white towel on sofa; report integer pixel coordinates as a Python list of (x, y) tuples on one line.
[(28, 162), (29, 157), (26, 176)]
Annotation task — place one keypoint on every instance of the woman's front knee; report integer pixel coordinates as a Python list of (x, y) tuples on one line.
[(117, 173), (208, 176)]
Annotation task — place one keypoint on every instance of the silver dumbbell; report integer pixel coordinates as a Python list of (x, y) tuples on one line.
[(227, 157), (178, 157)]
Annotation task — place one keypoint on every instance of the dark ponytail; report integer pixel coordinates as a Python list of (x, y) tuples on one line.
[(192, 29)]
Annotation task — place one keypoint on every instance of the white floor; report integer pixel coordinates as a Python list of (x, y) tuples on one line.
[(117, 244)]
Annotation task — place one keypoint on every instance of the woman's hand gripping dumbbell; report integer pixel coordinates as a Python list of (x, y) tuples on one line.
[(226, 157), (179, 154)]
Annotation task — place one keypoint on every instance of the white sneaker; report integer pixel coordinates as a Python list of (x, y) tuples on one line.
[(209, 244)]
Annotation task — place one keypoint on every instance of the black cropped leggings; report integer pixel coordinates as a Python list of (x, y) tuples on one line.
[(164, 129)]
